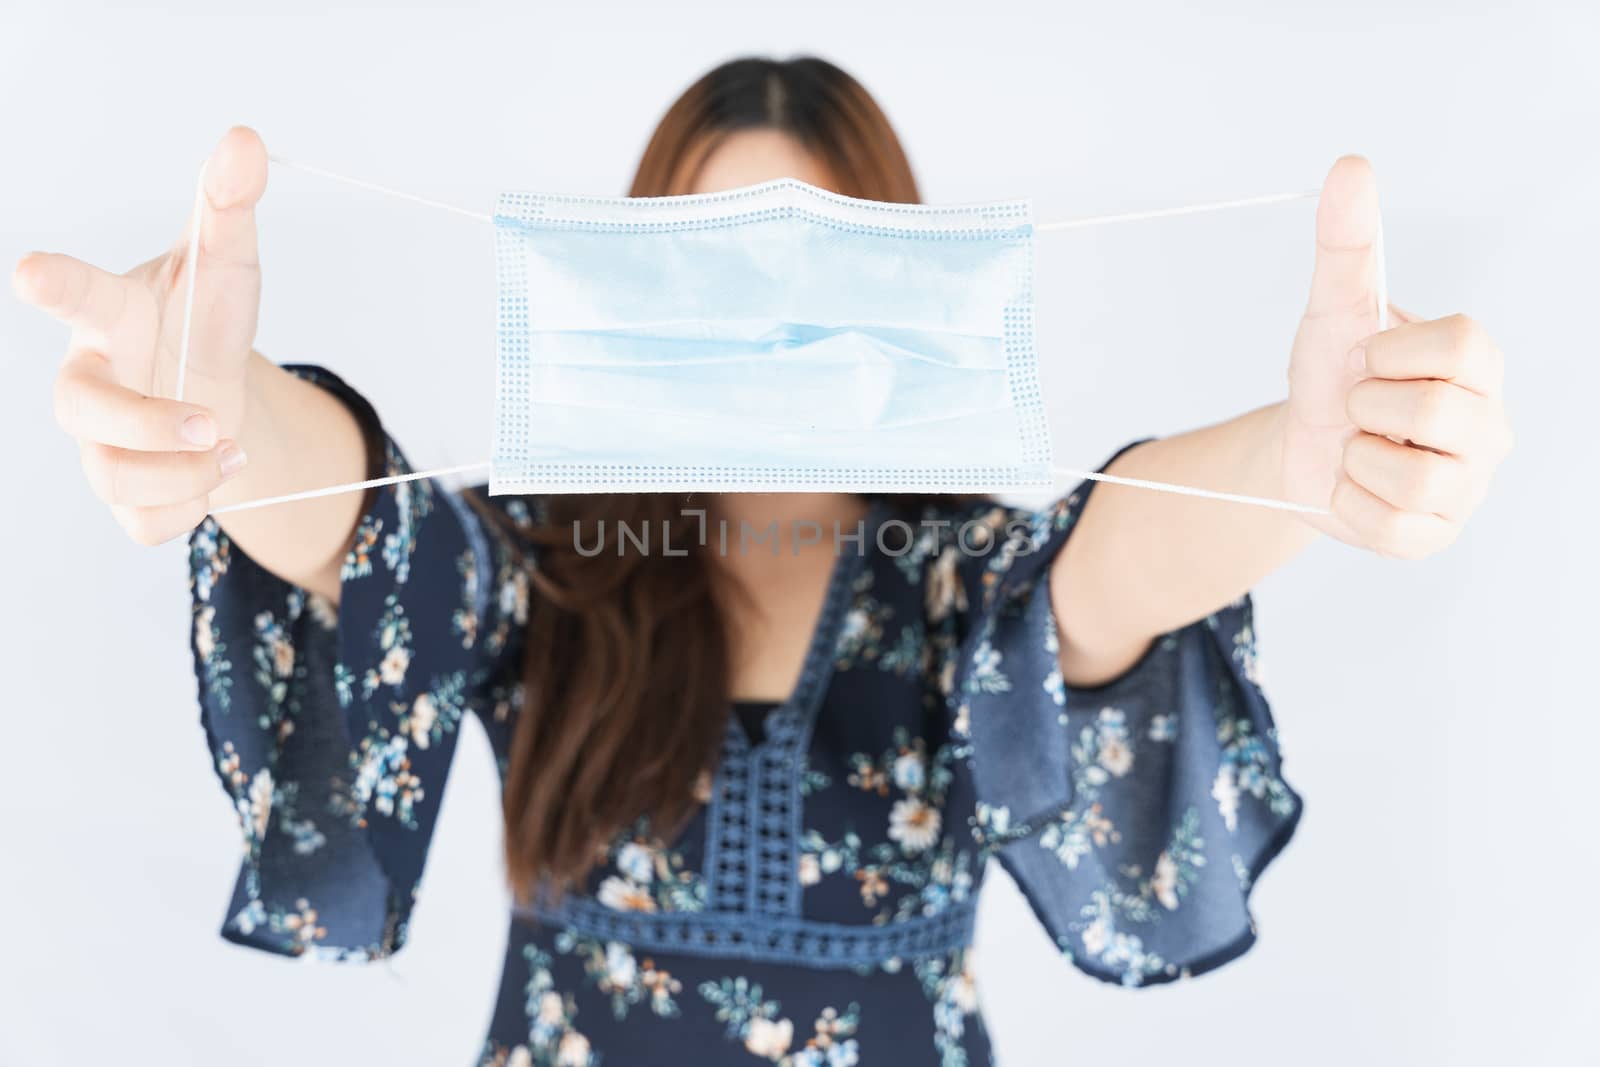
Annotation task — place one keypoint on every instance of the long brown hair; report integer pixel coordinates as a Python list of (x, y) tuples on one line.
[(627, 658)]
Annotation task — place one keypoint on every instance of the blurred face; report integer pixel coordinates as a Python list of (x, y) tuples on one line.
[(749, 157)]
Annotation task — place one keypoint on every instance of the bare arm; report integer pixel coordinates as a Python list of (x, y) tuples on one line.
[(1398, 433), (245, 428), (1141, 563), (298, 436)]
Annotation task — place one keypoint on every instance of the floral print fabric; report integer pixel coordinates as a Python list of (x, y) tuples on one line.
[(818, 909)]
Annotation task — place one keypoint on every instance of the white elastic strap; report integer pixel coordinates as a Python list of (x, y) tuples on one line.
[(1172, 212), (374, 187), (1381, 282), (352, 487), (1189, 490), (1067, 224), (1067, 472), (193, 268), (1043, 227)]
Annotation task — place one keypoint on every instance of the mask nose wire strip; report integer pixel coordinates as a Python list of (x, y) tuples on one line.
[(1066, 224)]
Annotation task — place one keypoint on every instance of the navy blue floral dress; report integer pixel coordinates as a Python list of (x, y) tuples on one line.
[(818, 910)]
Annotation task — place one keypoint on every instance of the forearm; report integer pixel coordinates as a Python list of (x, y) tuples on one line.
[(296, 436), (1141, 564)]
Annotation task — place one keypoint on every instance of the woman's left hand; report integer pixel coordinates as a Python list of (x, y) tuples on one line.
[(1397, 432)]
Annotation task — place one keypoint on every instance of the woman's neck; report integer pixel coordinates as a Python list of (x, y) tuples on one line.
[(761, 510), (771, 576)]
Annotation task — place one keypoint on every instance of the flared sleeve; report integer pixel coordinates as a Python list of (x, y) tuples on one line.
[(332, 727), (1134, 816)]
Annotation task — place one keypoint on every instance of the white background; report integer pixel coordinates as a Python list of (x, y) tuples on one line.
[(1438, 904)]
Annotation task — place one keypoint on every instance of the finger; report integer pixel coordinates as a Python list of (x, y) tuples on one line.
[(71, 290), (1453, 349), (92, 406), (1434, 414), (235, 178), (120, 476), (158, 525), (1411, 479), (1386, 529), (1344, 279)]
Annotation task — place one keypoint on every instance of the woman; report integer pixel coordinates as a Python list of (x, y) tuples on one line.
[(750, 797)]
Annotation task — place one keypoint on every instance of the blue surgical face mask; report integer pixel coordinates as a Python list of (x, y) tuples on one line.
[(776, 337), (772, 338)]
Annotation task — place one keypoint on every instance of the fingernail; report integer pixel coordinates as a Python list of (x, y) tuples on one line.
[(1358, 359), (230, 459), (199, 430)]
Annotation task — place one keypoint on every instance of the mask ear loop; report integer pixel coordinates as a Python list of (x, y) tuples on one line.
[(352, 487), (1380, 282), (1174, 212), (192, 267), (1380, 290), (1065, 224), (1272, 503)]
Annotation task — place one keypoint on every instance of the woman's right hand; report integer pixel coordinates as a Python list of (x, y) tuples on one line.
[(155, 460)]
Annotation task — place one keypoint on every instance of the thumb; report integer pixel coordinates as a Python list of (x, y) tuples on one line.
[(1345, 279), (235, 178)]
